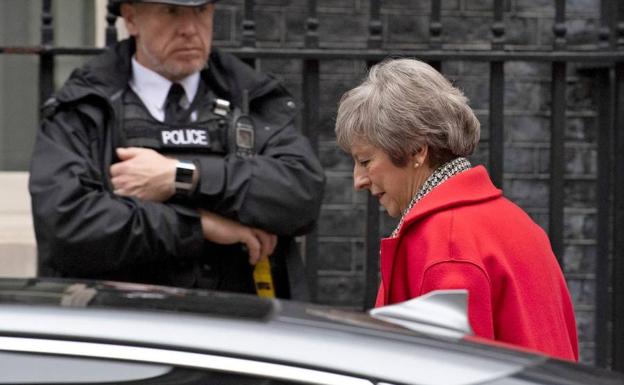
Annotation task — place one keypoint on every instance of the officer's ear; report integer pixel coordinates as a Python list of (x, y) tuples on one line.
[(129, 14)]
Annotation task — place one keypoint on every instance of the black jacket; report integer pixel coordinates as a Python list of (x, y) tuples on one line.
[(84, 230)]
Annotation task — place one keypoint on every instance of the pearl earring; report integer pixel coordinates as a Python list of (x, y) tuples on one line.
[(416, 164)]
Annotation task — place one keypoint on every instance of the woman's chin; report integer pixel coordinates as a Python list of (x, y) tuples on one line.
[(392, 212)]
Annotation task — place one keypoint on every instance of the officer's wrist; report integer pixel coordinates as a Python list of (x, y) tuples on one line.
[(185, 177)]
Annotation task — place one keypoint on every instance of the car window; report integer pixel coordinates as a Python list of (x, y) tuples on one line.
[(46, 361), (52, 369), (49, 369)]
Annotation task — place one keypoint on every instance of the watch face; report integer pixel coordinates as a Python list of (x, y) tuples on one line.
[(184, 177)]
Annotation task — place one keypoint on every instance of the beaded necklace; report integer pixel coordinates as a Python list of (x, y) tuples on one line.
[(441, 174)]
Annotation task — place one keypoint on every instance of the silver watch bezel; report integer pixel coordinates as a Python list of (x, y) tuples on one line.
[(184, 176)]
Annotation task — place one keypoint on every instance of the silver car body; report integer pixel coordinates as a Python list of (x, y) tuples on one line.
[(281, 340)]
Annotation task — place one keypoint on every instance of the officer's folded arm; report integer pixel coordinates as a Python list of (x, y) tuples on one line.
[(144, 174), (225, 231), (148, 175)]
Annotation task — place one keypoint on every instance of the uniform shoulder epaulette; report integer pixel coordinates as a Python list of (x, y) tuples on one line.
[(49, 107)]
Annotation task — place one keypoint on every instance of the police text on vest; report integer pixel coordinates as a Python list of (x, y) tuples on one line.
[(185, 137)]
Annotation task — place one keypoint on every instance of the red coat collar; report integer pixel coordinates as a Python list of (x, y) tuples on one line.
[(470, 186)]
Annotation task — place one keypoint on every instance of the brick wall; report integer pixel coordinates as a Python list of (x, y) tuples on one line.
[(466, 24)]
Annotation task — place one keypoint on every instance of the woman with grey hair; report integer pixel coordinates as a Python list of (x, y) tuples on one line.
[(409, 131)]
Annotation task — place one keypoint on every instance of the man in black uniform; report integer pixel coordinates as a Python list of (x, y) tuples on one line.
[(163, 161)]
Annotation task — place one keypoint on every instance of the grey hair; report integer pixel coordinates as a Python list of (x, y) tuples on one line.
[(404, 104)]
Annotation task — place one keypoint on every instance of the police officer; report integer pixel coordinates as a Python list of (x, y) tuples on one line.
[(165, 161)]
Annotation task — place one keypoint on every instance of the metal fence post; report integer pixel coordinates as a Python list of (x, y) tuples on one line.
[(617, 298), (497, 99), (558, 122), (46, 58), (371, 269), (311, 87)]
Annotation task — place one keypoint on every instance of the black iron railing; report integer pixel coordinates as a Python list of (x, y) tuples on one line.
[(604, 63)]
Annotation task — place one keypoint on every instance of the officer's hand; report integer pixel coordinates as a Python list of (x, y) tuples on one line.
[(143, 173), (224, 231)]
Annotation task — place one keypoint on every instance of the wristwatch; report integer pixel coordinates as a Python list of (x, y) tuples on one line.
[(184, 177)]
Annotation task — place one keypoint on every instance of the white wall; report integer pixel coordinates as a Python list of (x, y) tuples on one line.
[(18, 252)]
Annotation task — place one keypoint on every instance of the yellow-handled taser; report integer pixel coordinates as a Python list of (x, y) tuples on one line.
[(264, 279)]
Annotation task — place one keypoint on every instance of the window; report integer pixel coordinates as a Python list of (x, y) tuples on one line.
[(65, 362)]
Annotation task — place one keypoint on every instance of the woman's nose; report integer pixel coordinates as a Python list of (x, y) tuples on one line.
[(360, 180)]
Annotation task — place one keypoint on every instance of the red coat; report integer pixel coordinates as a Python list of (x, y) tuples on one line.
[(465, 234)]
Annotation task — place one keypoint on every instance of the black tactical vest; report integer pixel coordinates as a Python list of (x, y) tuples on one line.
[(217, 130), (206, 135)]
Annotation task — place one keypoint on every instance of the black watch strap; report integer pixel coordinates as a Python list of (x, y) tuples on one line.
[(184, 177)]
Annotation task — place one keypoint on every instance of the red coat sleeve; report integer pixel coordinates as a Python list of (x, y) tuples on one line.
[(464, 275)]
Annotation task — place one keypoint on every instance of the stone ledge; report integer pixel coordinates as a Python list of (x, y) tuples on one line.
[(16, 228), (18, 248), (18, 260), (15, 195)]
